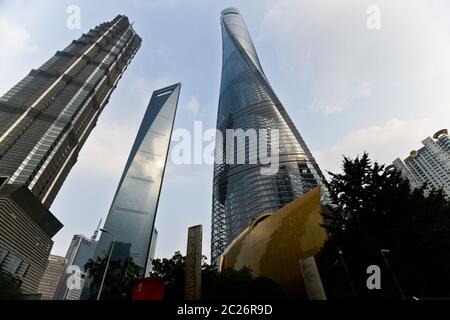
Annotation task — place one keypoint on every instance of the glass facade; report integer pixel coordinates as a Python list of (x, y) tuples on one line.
[(131, 218), (46, 118), (81, 249), (151, 254), (247, 101)]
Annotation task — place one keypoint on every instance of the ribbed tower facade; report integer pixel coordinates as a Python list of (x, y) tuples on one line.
[(46, 118), (247, 101)]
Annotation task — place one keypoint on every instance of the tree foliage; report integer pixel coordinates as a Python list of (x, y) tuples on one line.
[(374, 209), (119, 280), (9, 286), (216, 286)]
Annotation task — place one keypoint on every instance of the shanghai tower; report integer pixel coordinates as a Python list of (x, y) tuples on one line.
[(247, 101), (46, 118)]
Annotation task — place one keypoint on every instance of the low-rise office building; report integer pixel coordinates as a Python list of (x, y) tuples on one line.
[(52, 276), (26, 231)]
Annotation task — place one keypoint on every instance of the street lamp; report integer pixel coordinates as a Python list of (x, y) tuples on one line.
[(394, 278), (107, 263), (347, 273)]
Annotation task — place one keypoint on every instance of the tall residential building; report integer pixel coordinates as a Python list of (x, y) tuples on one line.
[(247, 101), (46, 118), (81, 249), (430, 164), (26, 231), (131, 218), (52, 276)]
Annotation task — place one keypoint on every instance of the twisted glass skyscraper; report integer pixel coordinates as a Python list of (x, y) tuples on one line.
[(247, 101), (46, 118)]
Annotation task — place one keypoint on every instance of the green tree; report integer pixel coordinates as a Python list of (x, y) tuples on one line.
[(172, 271), (9, 286), (374, 209), (216, 286), (119, 280)]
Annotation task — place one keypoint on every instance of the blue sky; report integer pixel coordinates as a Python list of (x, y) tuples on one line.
[(347, 88)]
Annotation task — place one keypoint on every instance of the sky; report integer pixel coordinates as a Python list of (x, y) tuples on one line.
[(347, 88)]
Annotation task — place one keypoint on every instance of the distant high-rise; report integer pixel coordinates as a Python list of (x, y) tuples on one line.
[(52, 276), (430, 164), (46, 118), (247, 101), (131, 218), (81, 249)]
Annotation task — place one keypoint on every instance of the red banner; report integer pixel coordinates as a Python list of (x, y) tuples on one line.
[(149, 289)]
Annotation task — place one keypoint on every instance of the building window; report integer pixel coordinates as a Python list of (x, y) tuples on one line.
[(3, 255), (13, 264), (3, 181)]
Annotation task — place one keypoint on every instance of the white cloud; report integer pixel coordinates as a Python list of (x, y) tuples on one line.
[(338, 96), (106, 151), (143, 87), (387, 89), (29, 35), (341, 62), (15, 39), (394, 139), (193, 105), (16, 47)]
